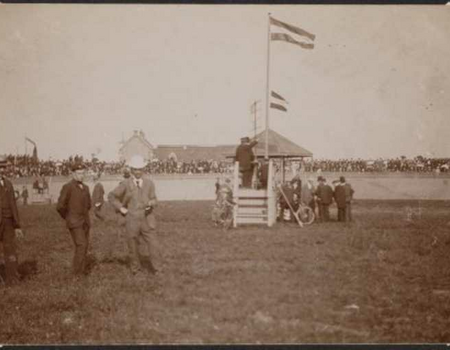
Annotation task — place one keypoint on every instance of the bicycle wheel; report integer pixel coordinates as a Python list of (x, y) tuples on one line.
[(228, 218), (306, 215)]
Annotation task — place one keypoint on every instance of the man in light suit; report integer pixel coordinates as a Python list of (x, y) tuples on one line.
[(73, 205), (135, 198), (9, 225)]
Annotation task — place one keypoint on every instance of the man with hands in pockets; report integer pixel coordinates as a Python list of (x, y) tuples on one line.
[(135, 199)]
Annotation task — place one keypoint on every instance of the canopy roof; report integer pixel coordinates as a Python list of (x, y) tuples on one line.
[(279, 146)]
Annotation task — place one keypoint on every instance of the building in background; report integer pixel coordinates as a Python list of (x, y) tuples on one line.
[(187, 153), (136, 145)]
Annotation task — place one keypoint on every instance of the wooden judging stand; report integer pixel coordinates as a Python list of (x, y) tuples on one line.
[(254, 206)]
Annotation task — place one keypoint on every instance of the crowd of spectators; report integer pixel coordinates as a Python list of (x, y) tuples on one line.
[(170, 166), (26, 166), (401, 164)]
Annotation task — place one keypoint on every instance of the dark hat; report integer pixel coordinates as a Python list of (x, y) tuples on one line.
[(78, 166), (320, 178), (342, 179), (245, 139), (126, 173)]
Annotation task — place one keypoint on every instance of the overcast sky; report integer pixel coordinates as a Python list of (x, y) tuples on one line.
[(76, 78)]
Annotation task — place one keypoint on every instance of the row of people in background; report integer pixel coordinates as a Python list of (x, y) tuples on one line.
[(402, 164), (25, 166)]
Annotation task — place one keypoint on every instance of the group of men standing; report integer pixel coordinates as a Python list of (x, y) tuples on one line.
[(133, 200), (324, 195)]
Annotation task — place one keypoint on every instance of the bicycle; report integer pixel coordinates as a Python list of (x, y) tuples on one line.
[(222, 214), (305, 214)]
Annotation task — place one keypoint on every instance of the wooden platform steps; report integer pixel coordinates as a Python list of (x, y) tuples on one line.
[(253, 206)]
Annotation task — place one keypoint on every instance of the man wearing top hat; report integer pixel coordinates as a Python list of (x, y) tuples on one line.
[(135, 198), (9, 225), (245, 157), (73, 205)]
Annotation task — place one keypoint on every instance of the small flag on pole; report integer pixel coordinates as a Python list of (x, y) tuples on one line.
[(287, 35), (280, 102), (30, 141)]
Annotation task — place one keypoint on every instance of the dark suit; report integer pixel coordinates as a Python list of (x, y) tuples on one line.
[(245, 157), (73, 205), (9, 220), (324, 195), (98, 199), (341, 202), (349, 197)]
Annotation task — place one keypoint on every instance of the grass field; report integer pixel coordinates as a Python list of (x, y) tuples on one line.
[(383, 278)]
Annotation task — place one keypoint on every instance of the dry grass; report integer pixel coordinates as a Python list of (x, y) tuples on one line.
[(383, 278)]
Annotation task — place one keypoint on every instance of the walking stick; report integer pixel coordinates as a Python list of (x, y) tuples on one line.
[(290, 207)]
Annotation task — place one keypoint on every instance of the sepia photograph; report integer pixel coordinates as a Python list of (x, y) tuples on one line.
[(224, 174)]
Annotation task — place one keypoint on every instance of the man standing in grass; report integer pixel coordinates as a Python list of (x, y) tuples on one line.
[(340, 198), (349, 191), (324, 195), (24, 195), (9, 225), (98, 194), (135, 199), (73, 205)]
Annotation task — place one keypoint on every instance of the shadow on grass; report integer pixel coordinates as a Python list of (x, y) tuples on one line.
[(26, 269)]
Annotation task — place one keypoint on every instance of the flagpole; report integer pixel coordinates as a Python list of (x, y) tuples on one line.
[(267, 87)]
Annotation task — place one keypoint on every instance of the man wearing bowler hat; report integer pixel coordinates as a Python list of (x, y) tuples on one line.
[(245, 157), (73, 205), (324, 194), (9, 225), (135, 198)]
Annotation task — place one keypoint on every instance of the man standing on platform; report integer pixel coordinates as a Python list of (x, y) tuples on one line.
[(9, 225), (135, 198), (73, 205), (246, 157)]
